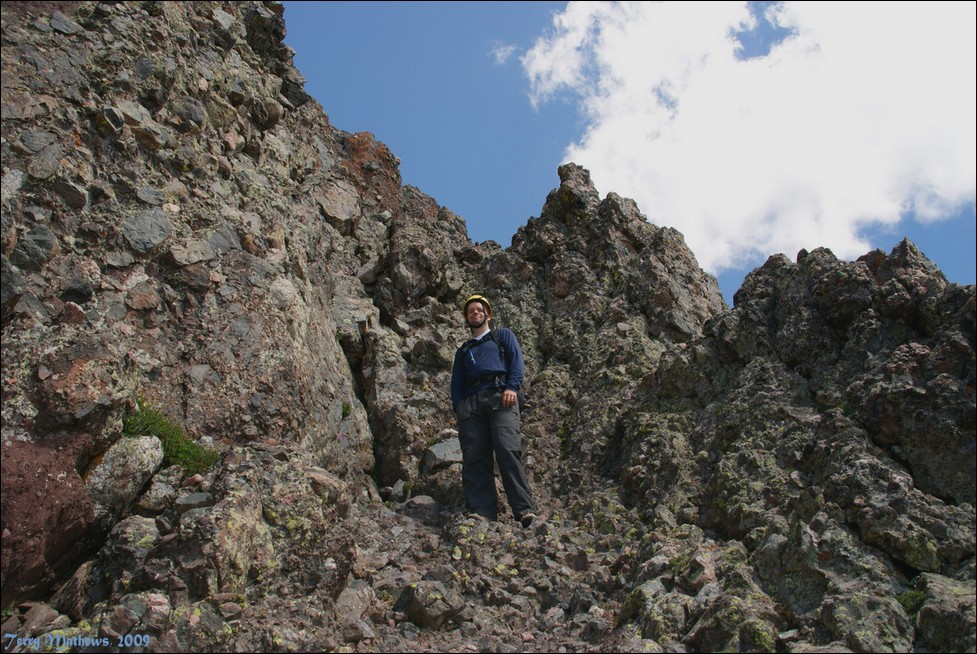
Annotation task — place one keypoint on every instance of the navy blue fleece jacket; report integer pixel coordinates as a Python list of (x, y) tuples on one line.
[(484, 359)]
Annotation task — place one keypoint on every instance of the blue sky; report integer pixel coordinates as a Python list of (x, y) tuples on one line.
[(752, 128)]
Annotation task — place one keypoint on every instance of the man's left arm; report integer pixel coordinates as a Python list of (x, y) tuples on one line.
[(514, 361), (457, 380)]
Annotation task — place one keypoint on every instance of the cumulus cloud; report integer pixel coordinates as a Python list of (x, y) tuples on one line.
[(855, 115)]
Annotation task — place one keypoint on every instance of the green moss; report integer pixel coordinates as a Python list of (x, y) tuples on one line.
[(146, 542), (912, 601), (758, 634), (178, 448), (563, 434)]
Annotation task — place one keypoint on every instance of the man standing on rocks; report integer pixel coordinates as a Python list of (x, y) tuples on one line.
[(485, 381)]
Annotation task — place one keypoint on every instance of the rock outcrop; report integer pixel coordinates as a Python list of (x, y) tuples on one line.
[(183, 227)]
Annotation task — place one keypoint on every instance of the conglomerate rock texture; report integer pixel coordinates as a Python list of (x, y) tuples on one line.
[(182, 225)]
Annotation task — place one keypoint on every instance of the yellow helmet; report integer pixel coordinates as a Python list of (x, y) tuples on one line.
[(476, 298)]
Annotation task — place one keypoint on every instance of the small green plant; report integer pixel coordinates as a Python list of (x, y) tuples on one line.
[(178, 449), (347, 409)]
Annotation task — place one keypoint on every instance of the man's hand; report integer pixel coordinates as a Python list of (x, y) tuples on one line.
[(508, 398)]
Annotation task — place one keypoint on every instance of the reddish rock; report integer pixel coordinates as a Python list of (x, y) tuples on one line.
[(47, 516)]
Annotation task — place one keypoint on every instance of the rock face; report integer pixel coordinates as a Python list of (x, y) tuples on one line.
[(181, 223)]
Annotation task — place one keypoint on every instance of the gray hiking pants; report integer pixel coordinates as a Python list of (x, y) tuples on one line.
[(486, 428)]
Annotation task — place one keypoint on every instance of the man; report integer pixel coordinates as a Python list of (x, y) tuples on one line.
[(485, 382)]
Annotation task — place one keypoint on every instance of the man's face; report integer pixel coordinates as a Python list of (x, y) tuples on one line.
[(475, 315)]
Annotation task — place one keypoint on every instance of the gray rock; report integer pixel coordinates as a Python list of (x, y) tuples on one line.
[(147, 229), (116, 480), (795, 473)]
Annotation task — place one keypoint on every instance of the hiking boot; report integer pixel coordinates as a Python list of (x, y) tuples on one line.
[(527, 520)]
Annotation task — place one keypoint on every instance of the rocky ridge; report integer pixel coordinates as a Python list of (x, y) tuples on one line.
[(182, 223)]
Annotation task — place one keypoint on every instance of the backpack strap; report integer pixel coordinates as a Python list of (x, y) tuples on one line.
[(494, 335), (495, 339)]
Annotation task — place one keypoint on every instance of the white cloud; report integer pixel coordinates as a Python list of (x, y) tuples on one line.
[(866, 111), (503, 52)]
